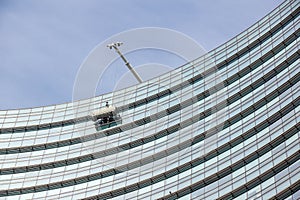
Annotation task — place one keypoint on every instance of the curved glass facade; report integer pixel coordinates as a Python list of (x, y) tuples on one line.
[(223, 126)]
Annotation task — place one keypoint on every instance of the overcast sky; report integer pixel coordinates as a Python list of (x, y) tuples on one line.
[(44, 42)]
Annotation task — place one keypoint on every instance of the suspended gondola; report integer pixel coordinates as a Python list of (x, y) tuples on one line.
[(106, 117)]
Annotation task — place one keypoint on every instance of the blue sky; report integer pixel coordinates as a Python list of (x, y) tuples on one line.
[(44, 42)]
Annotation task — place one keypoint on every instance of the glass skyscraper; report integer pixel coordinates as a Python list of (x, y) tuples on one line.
[(223, 126)]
